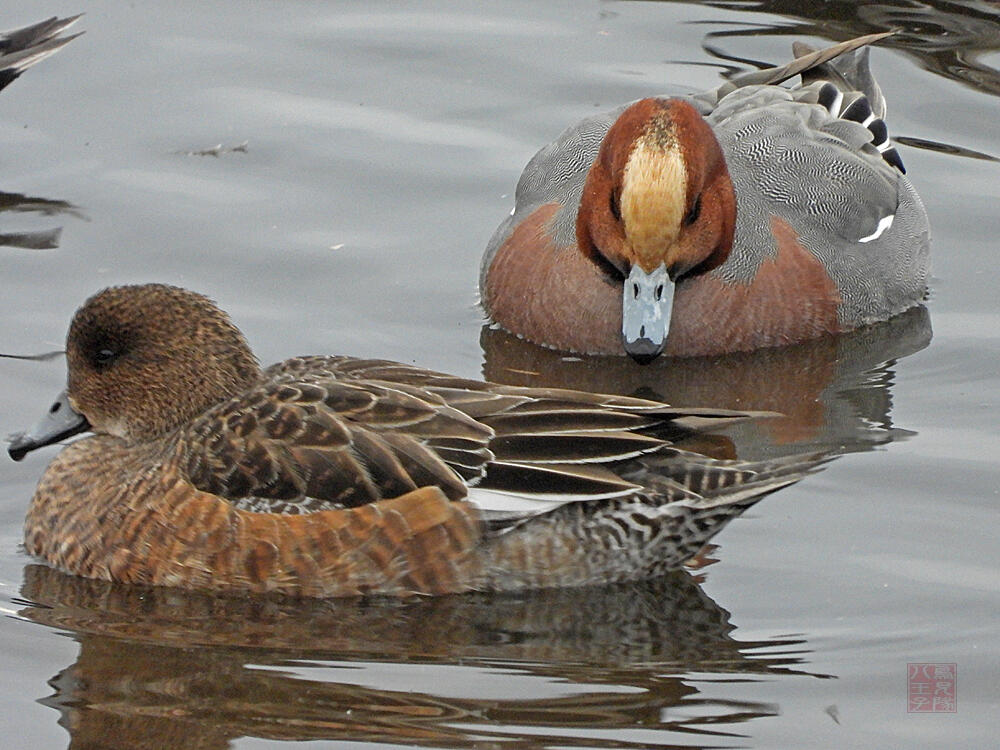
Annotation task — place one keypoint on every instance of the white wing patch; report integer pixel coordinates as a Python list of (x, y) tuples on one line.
[(498, 501), (884, 223)]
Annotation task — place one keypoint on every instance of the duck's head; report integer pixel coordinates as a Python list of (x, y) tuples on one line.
[(143, 360), (658, 206)]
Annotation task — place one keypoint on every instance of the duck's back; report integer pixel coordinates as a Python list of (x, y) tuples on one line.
[(794, 162)]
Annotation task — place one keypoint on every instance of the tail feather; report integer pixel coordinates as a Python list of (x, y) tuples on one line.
[(708, 481), (850, 71), (811, 60)]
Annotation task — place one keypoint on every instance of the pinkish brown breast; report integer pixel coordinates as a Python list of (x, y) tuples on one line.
[(791, 298)]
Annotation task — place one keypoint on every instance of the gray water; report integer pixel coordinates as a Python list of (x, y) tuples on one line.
[(382, 145)]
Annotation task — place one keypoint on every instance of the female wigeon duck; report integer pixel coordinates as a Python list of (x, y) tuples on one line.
[(24, 47), (748, 216), (331, 476)]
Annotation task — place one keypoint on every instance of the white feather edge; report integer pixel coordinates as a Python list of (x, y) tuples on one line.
[(498, 501), (884, 223)]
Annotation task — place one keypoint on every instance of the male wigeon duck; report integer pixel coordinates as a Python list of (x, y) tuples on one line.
[(748, 216), (331, 476), (21, 48)]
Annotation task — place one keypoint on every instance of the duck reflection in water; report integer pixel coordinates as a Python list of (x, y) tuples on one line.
[(834, 393), (169, 668)]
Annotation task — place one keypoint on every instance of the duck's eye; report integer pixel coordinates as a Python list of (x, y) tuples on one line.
[(692, 215), (104, 357)]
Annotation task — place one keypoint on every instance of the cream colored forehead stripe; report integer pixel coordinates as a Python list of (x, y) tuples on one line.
[(653, 200)]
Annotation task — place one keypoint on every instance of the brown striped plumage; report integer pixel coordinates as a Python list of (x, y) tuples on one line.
[(104, 510), (334, 476)]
